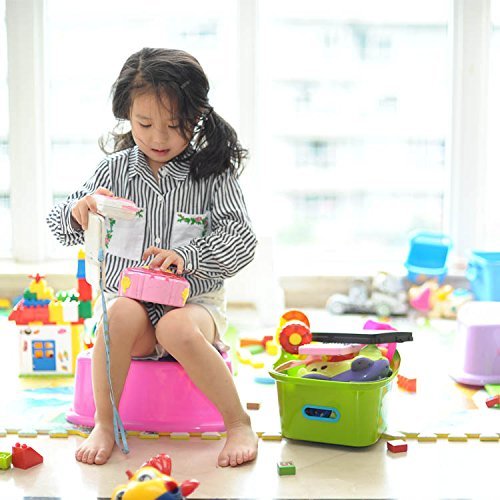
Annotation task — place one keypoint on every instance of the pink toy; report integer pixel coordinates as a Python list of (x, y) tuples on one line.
[(330, 349), (158, 397), (154, 286)]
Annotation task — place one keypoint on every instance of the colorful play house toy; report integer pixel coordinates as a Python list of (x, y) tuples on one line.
[(51, 326), (483, 272), (427, 257)]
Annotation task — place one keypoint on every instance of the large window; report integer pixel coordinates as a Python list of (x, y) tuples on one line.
[(5, 218), (355, 117), (493, 214), (360, 116)]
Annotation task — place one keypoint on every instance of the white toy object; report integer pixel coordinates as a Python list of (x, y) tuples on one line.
[(116, 208)]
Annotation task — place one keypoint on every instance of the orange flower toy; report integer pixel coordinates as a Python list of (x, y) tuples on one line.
[(153, 482)]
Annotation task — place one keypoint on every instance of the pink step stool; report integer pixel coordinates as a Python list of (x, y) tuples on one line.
[(158, 397), (477, 356)]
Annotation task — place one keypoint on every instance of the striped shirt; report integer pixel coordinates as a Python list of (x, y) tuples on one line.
[(205, 221)]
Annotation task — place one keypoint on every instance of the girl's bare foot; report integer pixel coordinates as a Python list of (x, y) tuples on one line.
[(97, 448), (241, 444)]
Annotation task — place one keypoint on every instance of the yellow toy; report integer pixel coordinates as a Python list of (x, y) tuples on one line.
[(153, 482)]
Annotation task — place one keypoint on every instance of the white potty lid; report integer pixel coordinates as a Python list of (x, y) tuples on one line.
[(479, 313)]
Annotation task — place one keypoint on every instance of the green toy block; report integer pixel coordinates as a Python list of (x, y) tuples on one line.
[(5, 460), (85, 309), (286, 468), (255, 349), (27, 295)]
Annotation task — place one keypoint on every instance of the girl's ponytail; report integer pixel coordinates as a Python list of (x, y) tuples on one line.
[(216, 148)]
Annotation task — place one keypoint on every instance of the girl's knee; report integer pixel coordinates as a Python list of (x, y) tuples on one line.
[(126, 318), (174, 332)]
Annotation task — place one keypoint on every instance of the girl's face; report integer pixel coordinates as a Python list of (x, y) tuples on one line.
[(155, 129)]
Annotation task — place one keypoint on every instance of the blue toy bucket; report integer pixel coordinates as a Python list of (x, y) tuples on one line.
[(427, 257), (483, 272)]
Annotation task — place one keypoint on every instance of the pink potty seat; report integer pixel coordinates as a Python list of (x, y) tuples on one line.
[(158, 396)]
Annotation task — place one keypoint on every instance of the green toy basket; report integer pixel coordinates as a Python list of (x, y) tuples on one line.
[(345, 413)]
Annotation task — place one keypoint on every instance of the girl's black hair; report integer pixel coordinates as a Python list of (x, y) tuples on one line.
[(179, 76)]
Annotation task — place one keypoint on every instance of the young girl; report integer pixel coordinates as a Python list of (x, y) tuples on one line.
[(180, 163)]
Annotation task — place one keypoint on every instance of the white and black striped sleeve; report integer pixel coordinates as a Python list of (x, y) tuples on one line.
[(230, 245), (59, 218)]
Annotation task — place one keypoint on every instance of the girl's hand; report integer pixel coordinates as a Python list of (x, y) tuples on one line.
[(164, 259), (80, 212)]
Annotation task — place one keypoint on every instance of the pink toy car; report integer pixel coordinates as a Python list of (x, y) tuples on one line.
[(156, 286)]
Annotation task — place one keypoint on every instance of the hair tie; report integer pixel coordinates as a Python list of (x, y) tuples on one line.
[(209, 112)]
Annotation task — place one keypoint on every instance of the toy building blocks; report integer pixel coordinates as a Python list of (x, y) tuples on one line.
[(493, 401), (24, 456), (51, 326), (286, 468), (397, 446), (5, 460)]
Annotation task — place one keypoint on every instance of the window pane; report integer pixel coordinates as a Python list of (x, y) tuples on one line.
[(492, 201), (355, 105), (86, 52), (5, 215)]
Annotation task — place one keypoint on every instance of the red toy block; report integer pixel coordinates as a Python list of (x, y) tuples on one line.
[(24, 456), (493, 401), (84, 290), (397, 446)]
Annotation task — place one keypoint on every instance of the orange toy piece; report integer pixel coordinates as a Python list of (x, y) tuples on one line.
[(293, 331), (408, 384)]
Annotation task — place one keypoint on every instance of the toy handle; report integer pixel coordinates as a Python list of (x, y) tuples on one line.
[(472, 272)]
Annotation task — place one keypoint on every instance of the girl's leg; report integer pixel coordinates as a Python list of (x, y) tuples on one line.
[(187, 334), (131, 334)]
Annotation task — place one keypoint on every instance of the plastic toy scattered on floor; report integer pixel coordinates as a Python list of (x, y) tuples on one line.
[(51, 325), (438, 301), (383, 295), (152, 481), (25, 457)]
